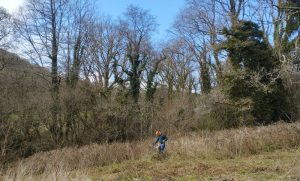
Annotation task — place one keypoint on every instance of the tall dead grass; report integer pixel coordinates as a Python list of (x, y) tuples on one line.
[(58, 164), (237, 142)]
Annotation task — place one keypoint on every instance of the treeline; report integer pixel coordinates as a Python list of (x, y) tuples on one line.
[(226, 63)]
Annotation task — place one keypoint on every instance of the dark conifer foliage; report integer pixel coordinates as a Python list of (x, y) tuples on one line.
[(254, 73)]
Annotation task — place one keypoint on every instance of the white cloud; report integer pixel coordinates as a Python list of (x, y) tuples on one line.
[(11, 5)]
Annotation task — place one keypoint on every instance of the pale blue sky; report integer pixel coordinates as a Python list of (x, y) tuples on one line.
[(165, 11)]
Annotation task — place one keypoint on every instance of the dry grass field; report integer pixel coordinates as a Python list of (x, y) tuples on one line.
[(258, 153)]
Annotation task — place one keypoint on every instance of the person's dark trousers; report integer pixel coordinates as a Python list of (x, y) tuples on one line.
[(161, 147)]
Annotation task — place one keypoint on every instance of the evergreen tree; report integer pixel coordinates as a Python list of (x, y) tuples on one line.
[(253, 74)]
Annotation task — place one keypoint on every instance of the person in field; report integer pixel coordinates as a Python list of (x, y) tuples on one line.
[(161, 139)]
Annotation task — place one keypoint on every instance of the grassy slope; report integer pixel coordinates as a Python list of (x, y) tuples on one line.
[(281, 164), (260, 153)]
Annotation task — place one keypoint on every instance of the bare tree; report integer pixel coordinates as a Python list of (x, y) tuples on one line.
[(41, 24), (153, 69), (180, 60), (77, 37), (232, 9), (278, 24), (199, 26), (6, 28), (105, 53), (136, 29), (278, 19), (167, 76), (75, 52)]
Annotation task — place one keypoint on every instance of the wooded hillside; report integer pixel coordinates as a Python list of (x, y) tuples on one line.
[(95, 79)]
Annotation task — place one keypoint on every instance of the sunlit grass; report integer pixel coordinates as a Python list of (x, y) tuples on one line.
[(270, 152), (276, 165)]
